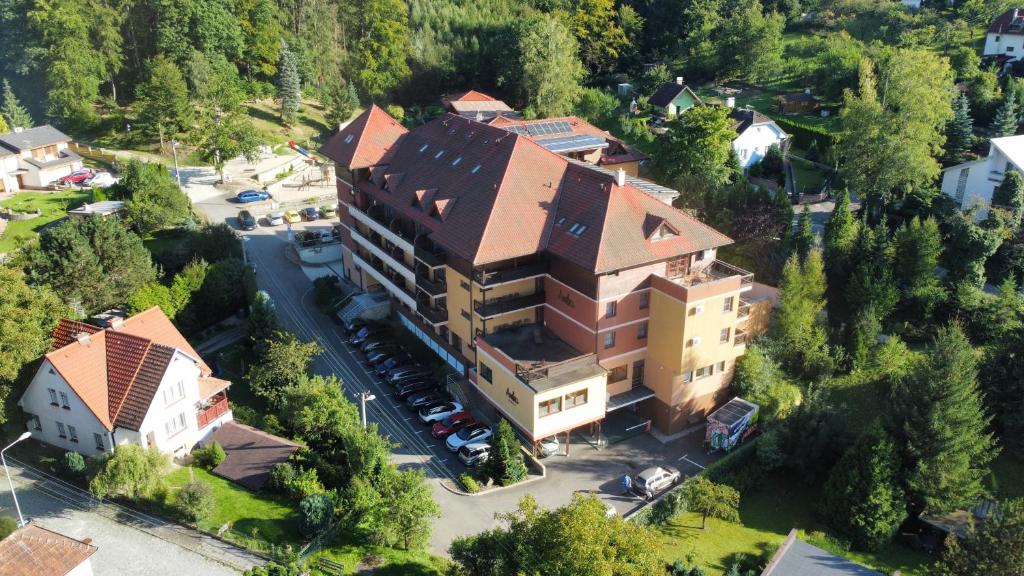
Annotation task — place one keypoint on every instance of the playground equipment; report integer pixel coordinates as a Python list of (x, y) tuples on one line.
[(730, 424), (303, 151)]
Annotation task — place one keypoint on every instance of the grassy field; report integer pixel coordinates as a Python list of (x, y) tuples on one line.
[(781, 503), (273, 519), (312, 121), (390, 562), (53, 204)]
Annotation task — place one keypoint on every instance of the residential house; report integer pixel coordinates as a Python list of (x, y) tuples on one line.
[(1004, 39), (477, 105), (136, 381), (973, 183), (795, 557), (35, 551), (35, 158), (755, 134), (798, 102), (561, 290), (673, 98)]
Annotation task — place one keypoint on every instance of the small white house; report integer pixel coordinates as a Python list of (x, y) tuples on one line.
[(973, 183), (755, 134), (35, 158), (1005, 35), (136, 381)]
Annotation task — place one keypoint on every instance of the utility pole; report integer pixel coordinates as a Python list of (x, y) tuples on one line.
[(364, 397)]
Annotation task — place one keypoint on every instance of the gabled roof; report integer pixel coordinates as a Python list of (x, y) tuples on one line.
[(117, 371), (1012, 147), (798, 558), (745, 118), (35, 551), (368, 140), (478, 105), (668, 92), (30, 138), (470, 96), (1010, 23)]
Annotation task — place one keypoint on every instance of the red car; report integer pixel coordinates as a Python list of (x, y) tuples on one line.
[(451, 425), (76, 177)]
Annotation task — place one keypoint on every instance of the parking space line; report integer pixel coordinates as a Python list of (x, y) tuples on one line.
[(684, 457)]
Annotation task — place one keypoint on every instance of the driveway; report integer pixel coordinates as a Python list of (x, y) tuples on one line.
[(587, 469)]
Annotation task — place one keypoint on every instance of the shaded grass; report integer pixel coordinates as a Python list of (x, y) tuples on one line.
[(232, 361), (809, 178), (311, 124), (392, 562), (267, 517), (54, 206), (781, 502), (1007, 479)]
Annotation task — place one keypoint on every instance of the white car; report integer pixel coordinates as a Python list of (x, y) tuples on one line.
[(437, 412), (473, 454), (101, 180), (655, 480), (548, 446), (275, 218), (470, 434)]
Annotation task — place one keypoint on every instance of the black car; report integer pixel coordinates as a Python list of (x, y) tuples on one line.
[(310, 213), (392, 361), (403, 372), (375, 343), (366, 333), (354, 325), (405, 390), (420, 399), (246, 221), (375, 355)]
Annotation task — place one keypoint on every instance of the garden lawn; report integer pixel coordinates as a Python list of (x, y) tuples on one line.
[(780, 503), (809, 177), (1007, 472), (54, 206), (391, 561), (265, 116), (274, 518)]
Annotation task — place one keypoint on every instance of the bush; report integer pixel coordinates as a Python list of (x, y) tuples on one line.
[(505, 464), (73, 463), (469, 483), (281, 476), (7, 526), (305, 483), (769, 450), (804, 135), (195, 500), (317, 513), (209, 456)]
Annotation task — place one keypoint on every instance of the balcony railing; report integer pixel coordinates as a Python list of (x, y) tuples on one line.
[(433, 315), (743, 310), (490, 278), (432, 287), (740, 338), (393, 256), (433, 259), (217, 407), (507, 304), (393, 281), (378, 223), (715, 272)]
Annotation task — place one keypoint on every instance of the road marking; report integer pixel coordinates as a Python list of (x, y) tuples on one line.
[(409, 418), (684, 457)]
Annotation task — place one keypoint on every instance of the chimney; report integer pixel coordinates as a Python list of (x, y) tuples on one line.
[(83, 338), (117, 323), (730, 102), (620, 177), (87, 541), (679, 80), (479, 116)]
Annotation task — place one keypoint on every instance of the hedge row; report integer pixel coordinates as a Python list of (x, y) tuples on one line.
[(804, 134)]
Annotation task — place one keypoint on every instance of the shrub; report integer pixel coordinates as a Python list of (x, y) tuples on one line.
[(305, 483), (195, 500), (132, 471), (74, 464), (769, 450), (469, 483), (7, 525), (209, 456), (281, 476), (505, 464), (317, 513)]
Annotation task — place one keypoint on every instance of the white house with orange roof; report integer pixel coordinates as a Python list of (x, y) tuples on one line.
[(137, 381)]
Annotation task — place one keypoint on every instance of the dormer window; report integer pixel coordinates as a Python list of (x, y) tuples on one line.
[(475, 169), (664, 232), (424, 147), (439, 154), (456, 161), (560, 221)]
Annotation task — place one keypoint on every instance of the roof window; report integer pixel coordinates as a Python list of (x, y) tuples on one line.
[(475, 169), (424, 147), (439, 154), (577, 229), (348, 139), (456, 161), (560, 221)]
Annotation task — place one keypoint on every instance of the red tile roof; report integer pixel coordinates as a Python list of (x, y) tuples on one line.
[(470, 96), (117, 371), (1010, 23), (617, 151), (368, 140), (500, 196), (36, 551)]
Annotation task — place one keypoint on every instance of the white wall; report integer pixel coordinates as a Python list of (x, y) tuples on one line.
[(753, 144), (181, 369), (83, 569), (36, 401), (1009, 44), (8, 164), (983, 177)]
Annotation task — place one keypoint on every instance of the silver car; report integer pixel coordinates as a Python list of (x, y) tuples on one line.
[(275, 218), (475, 453), (655, 480)]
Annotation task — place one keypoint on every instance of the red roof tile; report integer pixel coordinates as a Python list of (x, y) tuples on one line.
[(368, 140), (36, 551), (470, 95), (1010, 23), (67, 331)]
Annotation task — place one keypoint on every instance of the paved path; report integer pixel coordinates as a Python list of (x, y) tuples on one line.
[(128, 543)]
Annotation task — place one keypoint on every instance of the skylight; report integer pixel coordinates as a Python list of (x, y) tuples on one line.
[(424, 147), (348, 139), (439, 154), (456, 161), (560, 221), (577, 229), (475, 169)]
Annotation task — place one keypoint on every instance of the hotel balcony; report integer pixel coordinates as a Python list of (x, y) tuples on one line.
[(375, 220), (435, 316), (718, 277), (431, 287), (743, 310), (486, 279), (507, 304), (392, 281), (741, 337), (431, 256), (393, 256), (540, 359)]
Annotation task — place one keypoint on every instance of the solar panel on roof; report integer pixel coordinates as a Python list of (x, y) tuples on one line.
[(521, 130), (549, 128), (573, 143)]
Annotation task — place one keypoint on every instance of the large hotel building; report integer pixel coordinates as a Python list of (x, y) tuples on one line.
[(533, 261)]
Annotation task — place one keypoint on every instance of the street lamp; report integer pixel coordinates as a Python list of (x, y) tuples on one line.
[(174, 151), (24, 435), (364, 397)]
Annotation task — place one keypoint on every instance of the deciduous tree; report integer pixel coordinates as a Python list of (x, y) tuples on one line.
[(162, 100), (551, 69), (383, 48), (283, 364), (695, 151), (749, 43), (132, 471), (711, 500), (600, 37), (407, 507)]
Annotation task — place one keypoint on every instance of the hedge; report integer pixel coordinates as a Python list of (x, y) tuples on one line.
[(804, 134)]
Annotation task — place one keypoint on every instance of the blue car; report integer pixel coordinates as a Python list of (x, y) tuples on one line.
[(252, 196)]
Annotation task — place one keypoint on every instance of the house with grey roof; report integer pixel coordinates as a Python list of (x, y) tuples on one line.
[(35, 158), (798, 558), (755, 134)]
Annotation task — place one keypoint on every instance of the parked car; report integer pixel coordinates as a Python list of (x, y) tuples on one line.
[(292, 216), (374, 342), (655, 480), (421, 399), (473, 433), (246, 221), (401, 372), (76, 177), (101, 180), (437, 412), (367, 332), (328, 212), (407, 389), (275, 218), (310, 213), (251, 196), (548, 446), (393, 361), (450, 425), (475, 453), (373, 356), (354, 325)]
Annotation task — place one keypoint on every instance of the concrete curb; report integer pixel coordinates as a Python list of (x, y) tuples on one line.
[(543, 474)]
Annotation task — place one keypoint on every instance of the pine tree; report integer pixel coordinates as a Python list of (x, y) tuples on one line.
[(863, 338), (342, 101), (937, 419), (801, 300), (803, 238), (838, 243), (918, 247), (1006, 119), (289, 87), (16, 114), (1010, 195), (863, 500), (871, 283), (163, 105), (959, 130), (505, 464), (3, 125)]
